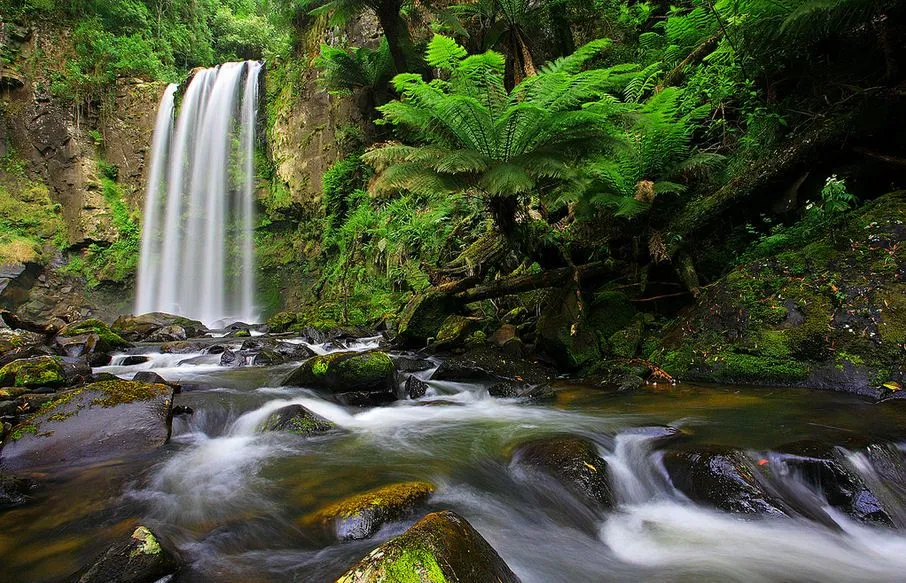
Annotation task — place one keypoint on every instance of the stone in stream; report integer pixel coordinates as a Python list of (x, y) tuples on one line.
[(345, 372), (362, 515), (573, 461), (824, 467), (508, 390), (13, 490), (140, 559), (721, 477), (415, 387), (88, 337), (158, 325), (100, 420), (490, 363), (442, 547), (407, 364), (296, 419)]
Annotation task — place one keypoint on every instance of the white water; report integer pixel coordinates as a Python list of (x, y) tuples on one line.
[(197, 257)]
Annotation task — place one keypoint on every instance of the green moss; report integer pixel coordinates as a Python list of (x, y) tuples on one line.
[(892, 303), (147, 543), (415, 566), (94, 326), (733, 367), (392, 498), (22, 430), (368, 365), (320, 367), (121, 392), (42, 371)]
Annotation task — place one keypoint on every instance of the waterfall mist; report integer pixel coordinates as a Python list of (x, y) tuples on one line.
[(197, 255)]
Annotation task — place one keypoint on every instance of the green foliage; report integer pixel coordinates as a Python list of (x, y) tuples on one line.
[(31, 224), (834, 198), (345, 69)]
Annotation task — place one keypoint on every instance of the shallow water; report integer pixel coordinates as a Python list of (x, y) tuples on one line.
[(230, 498)]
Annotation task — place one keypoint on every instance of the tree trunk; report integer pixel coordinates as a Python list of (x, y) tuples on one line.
[(396, 31)]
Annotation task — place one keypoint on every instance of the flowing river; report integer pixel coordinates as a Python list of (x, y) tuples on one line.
[(229, 497)]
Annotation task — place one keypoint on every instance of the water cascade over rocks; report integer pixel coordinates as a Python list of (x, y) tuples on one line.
[(197, 256)]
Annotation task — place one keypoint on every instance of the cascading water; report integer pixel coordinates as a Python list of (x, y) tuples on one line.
[(197, 256)]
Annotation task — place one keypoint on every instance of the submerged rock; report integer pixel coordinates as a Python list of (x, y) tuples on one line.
[(343, 372), (13, 490), (442, 547), (41, 371), (99, 420), (141, 559), (721, 477), (573, 461), (362, 515), (296, 419)]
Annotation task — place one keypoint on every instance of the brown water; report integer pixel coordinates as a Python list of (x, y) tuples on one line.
[(229, 497)]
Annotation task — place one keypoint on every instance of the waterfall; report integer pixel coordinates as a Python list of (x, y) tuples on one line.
[(197, 256)]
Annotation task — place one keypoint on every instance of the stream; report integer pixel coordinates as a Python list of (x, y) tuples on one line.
[(229, 497)]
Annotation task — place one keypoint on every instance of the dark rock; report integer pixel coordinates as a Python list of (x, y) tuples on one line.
[(230, 358), (172, 333), (14, 490), (183, 410), (365, 398), (92, 335), (103, 376), (8, 408), (362, 515), (296, 419), (147, 376), (489, 363), (99, 420), (503, 335), (423, 316), (508, 390), (141, 559), (442, 546), (416, 388), (343, 372), (573, 461), (453, 332), (724, 478), (184, 347), (133, 360), (216, 349), (76, 370), (406, 364)]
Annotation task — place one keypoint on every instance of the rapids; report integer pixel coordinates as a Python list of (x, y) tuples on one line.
[(229, 497)]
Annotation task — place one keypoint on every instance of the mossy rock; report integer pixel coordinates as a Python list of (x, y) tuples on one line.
[(423, 318), (109, 338), (442, 547), (572, 461), (453, 332), (41, 371), (343, 372), (362, 515), (143, 326), (96, 421), (140, 559), (296, 419)]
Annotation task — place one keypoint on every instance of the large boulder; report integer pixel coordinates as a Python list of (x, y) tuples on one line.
[(423, 317), (489, 363), (572, 461), (296, 419), (104, 339), (100, 420), (140, 559), (442, 547), (157, 326), (345, 372), (41, 371), (720, 477), (453, 332), (362, 515)]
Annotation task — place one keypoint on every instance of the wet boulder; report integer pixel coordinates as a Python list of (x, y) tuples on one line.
[(268, 351), (490, 363), (416, 388), (721, 477), (140, 559), (407, 364), (362, 515), (344, 372), (96, 421), (441, 547), (157, 326), (17, 339), (572, 461), (41, 371), (296, 419), (508, 390)]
